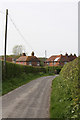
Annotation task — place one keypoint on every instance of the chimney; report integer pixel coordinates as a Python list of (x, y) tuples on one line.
[(32, 54), (75, 55), (23, 54), (70, 54), (61, 54), (66, 54)]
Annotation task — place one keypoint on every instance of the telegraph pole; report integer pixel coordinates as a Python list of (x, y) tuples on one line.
[(5, 39)]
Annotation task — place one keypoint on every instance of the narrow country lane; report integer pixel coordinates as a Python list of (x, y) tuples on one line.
[(28, 101)]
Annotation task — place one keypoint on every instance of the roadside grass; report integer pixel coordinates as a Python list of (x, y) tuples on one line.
[(65, 95), (60, 100), (15, 82)]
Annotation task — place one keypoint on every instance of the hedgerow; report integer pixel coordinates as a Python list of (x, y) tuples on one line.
[(71, 78), (65, 96), (13, 70)]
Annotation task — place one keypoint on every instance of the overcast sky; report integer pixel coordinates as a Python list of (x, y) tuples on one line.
[(50, 26)]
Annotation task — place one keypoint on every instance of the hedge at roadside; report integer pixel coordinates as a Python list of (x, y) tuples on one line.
[(65, 96), (53, 69), (14, 70)]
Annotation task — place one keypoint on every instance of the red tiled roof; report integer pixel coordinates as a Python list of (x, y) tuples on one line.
[(22, 58), (72, 58), (28, 58), (64, 59), (52, 58), (61, 58)]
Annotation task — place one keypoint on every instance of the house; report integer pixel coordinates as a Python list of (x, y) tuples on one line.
[(28, 60), (59, 60), (9, 59)]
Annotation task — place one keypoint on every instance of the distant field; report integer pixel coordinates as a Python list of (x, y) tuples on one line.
[(65, 96)]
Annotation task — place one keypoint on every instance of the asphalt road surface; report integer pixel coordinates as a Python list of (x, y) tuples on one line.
[(28, 101)]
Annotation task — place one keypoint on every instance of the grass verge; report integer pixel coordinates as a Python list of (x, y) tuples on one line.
[(13, 83), (60, 100)]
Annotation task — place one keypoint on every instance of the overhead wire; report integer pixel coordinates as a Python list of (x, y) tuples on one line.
[(19, 32)]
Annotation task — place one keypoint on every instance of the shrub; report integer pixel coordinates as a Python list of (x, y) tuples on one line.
[(13, 70), (53, 69), (66, 91)]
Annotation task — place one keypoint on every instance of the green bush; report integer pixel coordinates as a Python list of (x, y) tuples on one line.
[(65, 96), (13, 70), (70, 73), (53, 69)]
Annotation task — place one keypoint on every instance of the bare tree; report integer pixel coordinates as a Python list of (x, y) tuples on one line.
[(18, 50)]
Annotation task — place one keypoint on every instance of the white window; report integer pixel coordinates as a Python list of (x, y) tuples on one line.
[(30, 63), (54, 63), (47, 63), (38, 64)]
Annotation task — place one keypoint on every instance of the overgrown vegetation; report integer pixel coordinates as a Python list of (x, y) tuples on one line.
[(53, 69), (17, 75), (12, 83), (65, 96), (14, 70)]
